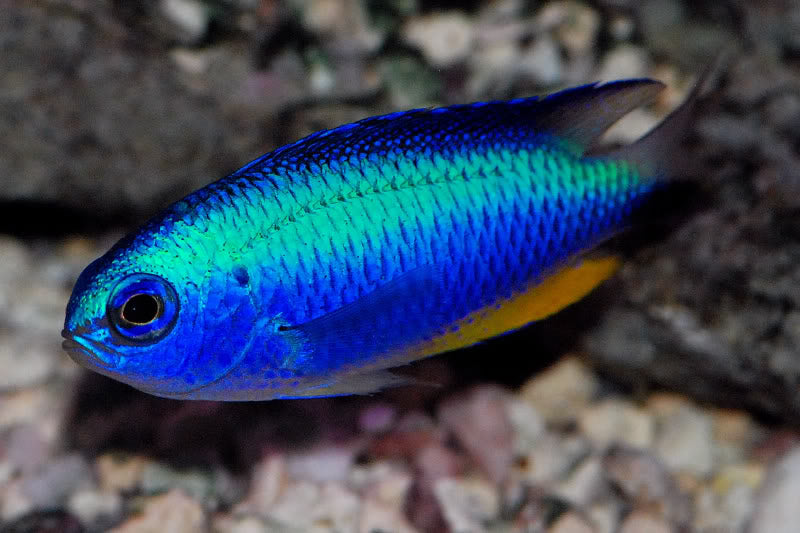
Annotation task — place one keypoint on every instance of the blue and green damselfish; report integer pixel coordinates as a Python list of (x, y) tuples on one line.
[(315, 268)]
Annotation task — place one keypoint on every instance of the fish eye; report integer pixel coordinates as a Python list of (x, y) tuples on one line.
[(142, 309)]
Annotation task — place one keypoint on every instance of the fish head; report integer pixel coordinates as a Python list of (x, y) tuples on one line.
[(160, 325)]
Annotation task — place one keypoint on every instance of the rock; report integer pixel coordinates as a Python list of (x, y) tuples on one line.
[(52, 485), (343, 25), (409, 82), (189, 17), (493, 69), (646, 483), (26, 361), (120, 473), (304, 505), (553, 457), (577, 26), (527, 424), (158, 477), (377, 418), (99, 114), (585, 484), (685, 441), (642, 522), (623, 61), (541, 62), (467, 504), (444, 38), (605, 517), (92, 506), (776, 509), (44, 521), (25, 406), (614, 421), (27, 449), (173, 511), (240, 524), (727, 504), (562, 391), (480, 422), (327, 463), (268, 482), (385, 490), (570, 522)]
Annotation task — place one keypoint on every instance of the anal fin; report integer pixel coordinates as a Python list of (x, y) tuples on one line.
[(552, 294)]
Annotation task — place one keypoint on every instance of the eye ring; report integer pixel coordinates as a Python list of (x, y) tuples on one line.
[(142, 309)]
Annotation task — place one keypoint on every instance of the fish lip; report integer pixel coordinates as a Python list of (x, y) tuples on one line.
[(87, 352)]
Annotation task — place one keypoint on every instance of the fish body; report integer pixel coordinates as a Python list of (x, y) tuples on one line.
[(316, 267)]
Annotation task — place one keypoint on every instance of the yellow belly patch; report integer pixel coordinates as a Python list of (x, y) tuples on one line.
[(554, 293)]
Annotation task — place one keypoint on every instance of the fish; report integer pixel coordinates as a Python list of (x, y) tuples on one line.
[(317, 268)]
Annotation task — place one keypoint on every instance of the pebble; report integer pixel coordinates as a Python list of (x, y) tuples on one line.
[(585, 484), (646, 483), (578, 28), (570, 522), (377, 418), (174, 512), (122, 473), (49, 487), (327, 463), (562, 391), (542, 62), (91, 506), (158, 477), (343, 25), (26, 406), (623, 61), (27, 361), (468, 505), (727, 503), (615, 421), (190, 18), (479, 420), (269, 480), (385, 491), (444, 38), (303, 505), (527, 424), (685, 441), (553, 457), (642, 522), (776, 505)]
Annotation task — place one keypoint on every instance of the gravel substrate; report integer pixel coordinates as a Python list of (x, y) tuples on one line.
[(666, 402)]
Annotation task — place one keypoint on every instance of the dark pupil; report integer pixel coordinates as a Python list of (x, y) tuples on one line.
[(140, 309)]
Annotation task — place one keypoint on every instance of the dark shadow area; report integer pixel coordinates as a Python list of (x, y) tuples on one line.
[(26, 219)]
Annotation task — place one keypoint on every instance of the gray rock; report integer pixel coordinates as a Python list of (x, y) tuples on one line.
[(443, 38), (105, 128), (776, 508), (467, 505), (479, 420), (646, 483), (173, 511), (52, 485), (684, 441)]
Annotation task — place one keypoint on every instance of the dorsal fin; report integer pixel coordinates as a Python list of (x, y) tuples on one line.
[(574, 116), (583, 114)]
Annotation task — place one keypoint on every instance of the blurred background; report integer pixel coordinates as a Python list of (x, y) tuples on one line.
[(666, 401)]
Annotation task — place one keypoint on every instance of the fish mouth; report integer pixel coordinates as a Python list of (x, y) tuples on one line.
[(87, 352)]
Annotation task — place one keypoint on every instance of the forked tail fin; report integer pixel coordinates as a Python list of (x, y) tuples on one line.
[(653, 153)]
